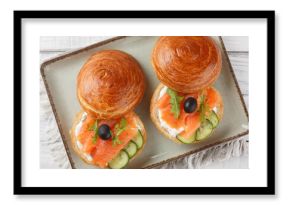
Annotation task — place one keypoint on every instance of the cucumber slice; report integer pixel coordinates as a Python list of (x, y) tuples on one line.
[(204, 130), (213, 118), (131, 149), (138, 140), (120, 161), (186, 140)]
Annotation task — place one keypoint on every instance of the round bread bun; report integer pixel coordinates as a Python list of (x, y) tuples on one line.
[(110, 84), (155, 118), (186, 63), (81, 154)]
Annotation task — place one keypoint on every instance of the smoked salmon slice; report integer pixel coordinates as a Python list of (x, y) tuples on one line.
[(192, 123), (213, 98), (189, 121), (103, 151)]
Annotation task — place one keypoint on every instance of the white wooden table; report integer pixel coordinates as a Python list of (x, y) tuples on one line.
[(237, 48)]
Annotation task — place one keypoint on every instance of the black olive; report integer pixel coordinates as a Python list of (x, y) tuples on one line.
[(190, 105), (104, 132)]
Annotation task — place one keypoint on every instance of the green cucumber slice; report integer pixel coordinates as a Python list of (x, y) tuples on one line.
[(186, 140), (213, 118), (204, 130), (120, 161), (138, 140), (131, 149)]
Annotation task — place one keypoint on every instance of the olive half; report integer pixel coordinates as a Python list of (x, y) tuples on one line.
[(190, 105), (104, 132)]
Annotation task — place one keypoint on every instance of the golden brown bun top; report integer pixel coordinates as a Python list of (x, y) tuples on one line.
[(110, 84), (186, 63)]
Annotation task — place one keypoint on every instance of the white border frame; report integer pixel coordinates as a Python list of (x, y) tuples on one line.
[(255, 176)]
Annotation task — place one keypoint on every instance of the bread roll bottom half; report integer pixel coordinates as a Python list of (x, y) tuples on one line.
[(99, 152), (186, 125)]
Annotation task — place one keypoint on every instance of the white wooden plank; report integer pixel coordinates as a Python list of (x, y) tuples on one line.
[(64, 43), (236, 43), (240, 63), (46, 55), (246, 99)]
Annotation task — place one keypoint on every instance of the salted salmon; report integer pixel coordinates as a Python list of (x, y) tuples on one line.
[(192, 123), (163, 102), (86, 125), (169, 118), (213, 98), (189, 121), (103, 151)]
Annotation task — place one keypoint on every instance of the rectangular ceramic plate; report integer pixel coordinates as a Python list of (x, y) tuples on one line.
[(59, 75)]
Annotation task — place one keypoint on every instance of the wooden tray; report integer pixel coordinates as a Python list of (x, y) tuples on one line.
[(59, 75)]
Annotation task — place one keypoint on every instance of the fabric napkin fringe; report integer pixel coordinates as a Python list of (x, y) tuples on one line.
[(222, 152)]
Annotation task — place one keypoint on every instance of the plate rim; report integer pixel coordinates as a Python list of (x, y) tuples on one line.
[(70, 53)]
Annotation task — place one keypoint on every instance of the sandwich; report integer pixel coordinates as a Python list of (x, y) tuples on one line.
[(185, 106), (107, 133)]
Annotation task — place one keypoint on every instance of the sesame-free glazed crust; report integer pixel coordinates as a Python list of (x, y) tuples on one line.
[(186, 63), (110, 84)]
